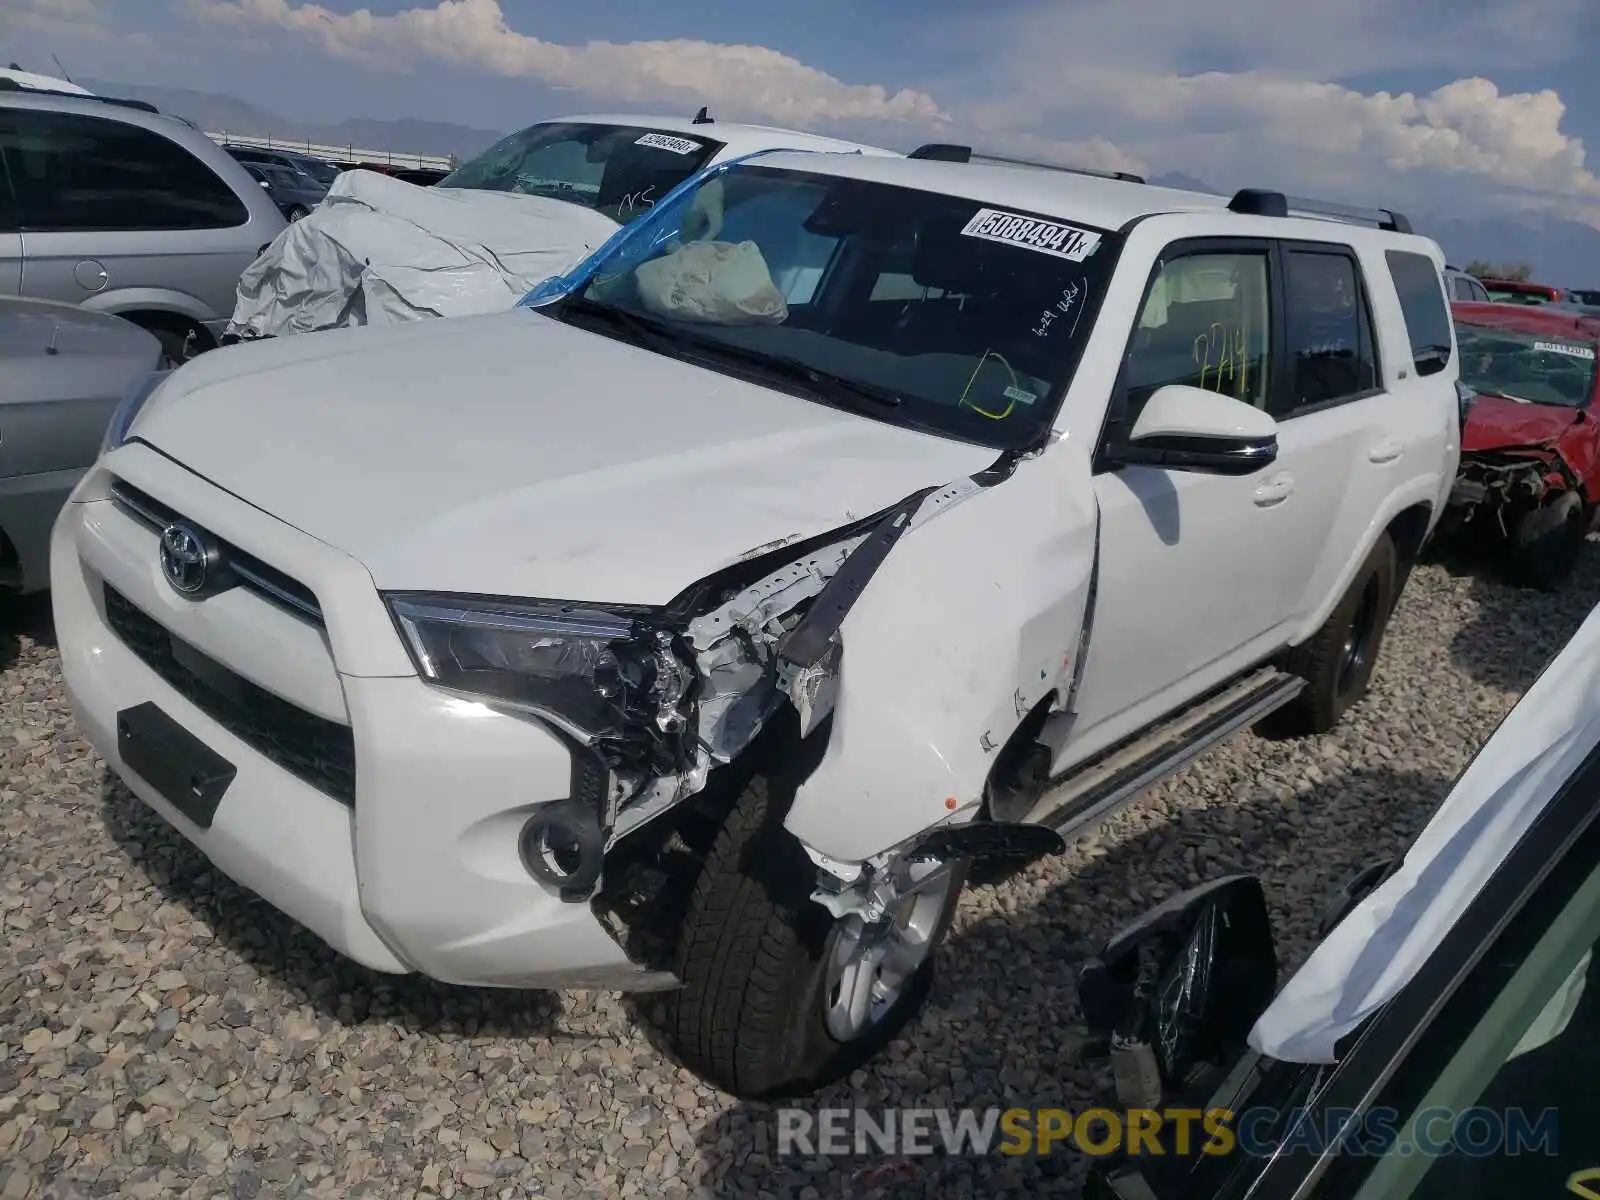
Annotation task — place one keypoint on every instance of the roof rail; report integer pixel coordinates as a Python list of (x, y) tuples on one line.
[(1262, 202), (948, 152), (11, 85), (141, 105)]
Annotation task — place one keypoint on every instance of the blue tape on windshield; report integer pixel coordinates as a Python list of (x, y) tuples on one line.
[(558, 286)]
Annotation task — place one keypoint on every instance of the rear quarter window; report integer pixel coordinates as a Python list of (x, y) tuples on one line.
[(1421, 290), (73, 173)]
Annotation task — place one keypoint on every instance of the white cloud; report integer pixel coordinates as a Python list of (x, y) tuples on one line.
[(55, 18), (1303, 39), (475, 34), (1113, 84), (1230, 127)]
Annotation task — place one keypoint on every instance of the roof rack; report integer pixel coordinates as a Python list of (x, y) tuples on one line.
[(11, 85), (1262, 202), (950, 152)]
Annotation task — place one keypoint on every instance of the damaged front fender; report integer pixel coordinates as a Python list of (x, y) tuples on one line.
[(968, 624)]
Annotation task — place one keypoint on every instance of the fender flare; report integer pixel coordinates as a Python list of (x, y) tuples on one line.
[(121, 301), (969, 622), (1423, 492)]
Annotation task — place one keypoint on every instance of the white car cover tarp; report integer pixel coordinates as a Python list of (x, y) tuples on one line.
[(1377, 949), (380, 250)]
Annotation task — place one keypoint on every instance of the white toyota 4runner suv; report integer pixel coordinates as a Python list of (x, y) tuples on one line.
[(698, 623)]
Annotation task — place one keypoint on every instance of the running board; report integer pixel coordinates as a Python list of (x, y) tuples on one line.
[(1087, 792)]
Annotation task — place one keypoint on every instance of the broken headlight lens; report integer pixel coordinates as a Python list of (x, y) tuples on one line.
[(604, 672)]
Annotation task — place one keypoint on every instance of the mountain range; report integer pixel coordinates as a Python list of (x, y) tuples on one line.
[(1559, 251), (219, 114)]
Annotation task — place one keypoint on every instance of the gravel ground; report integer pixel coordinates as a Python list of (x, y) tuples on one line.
[(163, 1033)]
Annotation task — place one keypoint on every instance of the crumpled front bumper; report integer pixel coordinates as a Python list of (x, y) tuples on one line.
[(422, 871)]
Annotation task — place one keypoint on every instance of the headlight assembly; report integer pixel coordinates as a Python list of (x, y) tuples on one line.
[(606, 674), (122, 417)]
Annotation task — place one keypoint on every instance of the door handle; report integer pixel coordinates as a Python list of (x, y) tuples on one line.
[(1275, 490), (1385, 450)]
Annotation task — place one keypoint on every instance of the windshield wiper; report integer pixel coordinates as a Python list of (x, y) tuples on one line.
[(641, 331), (796, 371), (658, 335)]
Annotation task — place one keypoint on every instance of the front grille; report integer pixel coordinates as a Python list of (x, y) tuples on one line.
[(312, 748), (261, 578)]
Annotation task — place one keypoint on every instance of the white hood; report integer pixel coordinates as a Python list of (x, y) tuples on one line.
[(514, 455)]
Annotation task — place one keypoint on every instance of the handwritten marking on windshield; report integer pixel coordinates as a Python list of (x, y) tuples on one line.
[(1062, 307), (633, 200)]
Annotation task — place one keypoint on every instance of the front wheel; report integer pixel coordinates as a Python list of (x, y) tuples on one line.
[(1547, 542), (780, 997), (177, 346), (298, 211)]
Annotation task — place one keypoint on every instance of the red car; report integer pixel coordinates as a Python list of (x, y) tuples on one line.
[(1529, 480), (1520, 291)]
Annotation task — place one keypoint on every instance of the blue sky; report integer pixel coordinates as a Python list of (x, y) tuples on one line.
[(1468, 105)]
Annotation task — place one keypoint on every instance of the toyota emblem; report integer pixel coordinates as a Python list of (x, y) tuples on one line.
[(186, 559)]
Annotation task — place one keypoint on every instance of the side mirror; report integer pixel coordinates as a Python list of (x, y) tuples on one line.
[(1186, 428), (1180, 988)]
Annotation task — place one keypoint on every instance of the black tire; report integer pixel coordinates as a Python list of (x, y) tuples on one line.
[(750, 1016), (1337, 661), (298, 211), (173, 345), (1546, 543)]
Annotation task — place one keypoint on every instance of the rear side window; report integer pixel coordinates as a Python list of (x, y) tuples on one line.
[(1417, 282), (1331, 354), (1465, 287), (75, 173)]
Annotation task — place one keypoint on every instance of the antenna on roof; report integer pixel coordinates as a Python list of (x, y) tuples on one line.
[(702, 117), (62, 69)]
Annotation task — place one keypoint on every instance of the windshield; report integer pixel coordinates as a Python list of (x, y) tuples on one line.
[(912, 307), (1539, 368), (619, 170), (280, 177), (324, 173)]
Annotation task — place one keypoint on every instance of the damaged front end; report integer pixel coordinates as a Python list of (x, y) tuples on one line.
[(1524, 506), (1495, 490), (656, 704)]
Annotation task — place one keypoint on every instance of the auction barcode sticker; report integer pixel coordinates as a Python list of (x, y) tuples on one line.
[(1031, 233), (662, 141), (1564, 348)]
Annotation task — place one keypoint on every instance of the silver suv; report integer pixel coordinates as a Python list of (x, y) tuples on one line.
[(1462, 286), (127, 211)]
